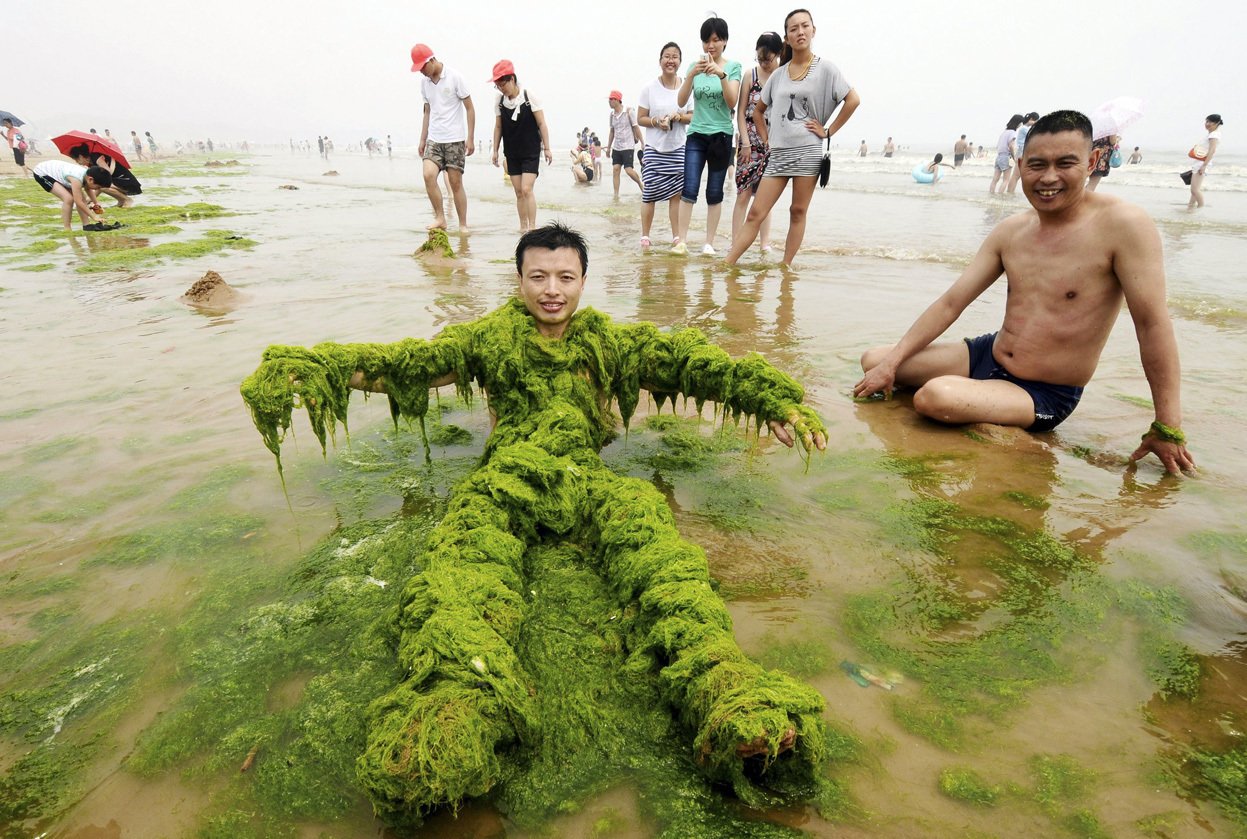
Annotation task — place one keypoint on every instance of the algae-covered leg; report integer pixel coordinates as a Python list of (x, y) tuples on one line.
[(755, 729), (436, 738)]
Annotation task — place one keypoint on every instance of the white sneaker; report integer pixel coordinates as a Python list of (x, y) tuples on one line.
[(707, 249)]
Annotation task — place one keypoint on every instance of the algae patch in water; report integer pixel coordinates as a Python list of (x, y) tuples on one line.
[(1221, 778), (60, 695), (212, 241), (543, 532), (184, 541), (975, 658), (1060, 787), (966, 785), (801, 658)]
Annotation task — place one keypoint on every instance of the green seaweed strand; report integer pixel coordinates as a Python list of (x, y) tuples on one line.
[(1165, 432)]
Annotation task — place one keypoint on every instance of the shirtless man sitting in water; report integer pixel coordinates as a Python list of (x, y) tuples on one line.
[(1069, 264)]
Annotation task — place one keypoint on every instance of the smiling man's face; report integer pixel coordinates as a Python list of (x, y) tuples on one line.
[(550, 285), (1055, 169)]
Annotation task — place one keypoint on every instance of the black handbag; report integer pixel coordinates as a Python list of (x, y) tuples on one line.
[(824, 165), (1186, 176)]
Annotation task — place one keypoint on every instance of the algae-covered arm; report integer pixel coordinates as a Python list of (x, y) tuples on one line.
[(684, 362), (319, 379)]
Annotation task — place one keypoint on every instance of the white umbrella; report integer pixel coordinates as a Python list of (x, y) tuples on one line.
[(1115, 116)]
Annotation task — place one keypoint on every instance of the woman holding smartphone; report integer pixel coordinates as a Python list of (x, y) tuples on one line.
[(713, 84), (801, 96)]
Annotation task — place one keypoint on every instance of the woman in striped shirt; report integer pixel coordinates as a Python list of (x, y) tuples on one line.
[(664, 121)]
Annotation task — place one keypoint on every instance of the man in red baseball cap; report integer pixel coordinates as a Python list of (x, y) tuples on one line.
[(445, 139), (625, 134)]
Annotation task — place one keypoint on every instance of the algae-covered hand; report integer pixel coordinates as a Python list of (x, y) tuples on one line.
[(291, 377), (809, 429), (1168, 444)]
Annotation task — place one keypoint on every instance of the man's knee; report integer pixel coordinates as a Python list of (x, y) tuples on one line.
[(873, 356), (938, 398)]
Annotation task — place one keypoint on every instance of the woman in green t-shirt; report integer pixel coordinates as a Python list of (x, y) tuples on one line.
[(713, 83)]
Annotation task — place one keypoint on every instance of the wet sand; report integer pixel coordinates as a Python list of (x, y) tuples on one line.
[(121, 415)]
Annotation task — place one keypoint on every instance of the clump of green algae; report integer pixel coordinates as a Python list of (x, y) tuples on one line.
[(964, 784), (474, 690), (437, 243)]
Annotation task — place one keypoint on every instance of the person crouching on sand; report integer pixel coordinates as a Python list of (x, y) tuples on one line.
[(76, 186), (1072, 260)]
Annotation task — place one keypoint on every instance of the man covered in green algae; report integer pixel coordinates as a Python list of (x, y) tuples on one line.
[(549, 374)]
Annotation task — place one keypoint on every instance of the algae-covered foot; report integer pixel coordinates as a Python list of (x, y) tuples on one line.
[(433, 746), (764, 735)]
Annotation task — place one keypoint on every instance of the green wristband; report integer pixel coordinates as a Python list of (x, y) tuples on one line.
[(1163, 432)]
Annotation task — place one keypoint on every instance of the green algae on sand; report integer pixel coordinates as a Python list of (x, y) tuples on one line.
[(211, 241), (438, 243), (478, 699), (975, 658), (963, 784), (332, 632)]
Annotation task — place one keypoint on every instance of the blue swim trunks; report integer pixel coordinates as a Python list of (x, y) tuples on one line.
[(1053, 403)]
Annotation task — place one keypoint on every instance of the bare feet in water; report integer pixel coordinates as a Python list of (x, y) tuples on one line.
[(760, 746), (439, 224)]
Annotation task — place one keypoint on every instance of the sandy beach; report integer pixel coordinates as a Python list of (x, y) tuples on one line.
[(1063, 634)]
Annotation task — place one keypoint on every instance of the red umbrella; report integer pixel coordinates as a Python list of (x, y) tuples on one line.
[(94, 142)]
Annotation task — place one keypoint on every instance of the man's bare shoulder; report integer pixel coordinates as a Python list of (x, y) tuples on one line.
[(1121, 220), (1012, 226)]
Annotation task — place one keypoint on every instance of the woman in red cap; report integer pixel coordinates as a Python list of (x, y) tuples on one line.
[(520, 131)]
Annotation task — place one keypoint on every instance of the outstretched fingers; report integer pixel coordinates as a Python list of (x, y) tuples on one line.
[(760, 746), (1174, 456)]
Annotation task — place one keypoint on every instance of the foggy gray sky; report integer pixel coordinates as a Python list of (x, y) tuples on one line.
[(927, 72)]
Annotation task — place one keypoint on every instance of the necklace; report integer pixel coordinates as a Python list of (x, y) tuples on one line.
[(798, 77)]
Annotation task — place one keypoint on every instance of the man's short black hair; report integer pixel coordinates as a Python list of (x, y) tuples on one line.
[(1061, 121), (714, 26), (551, 237), (100, 175)]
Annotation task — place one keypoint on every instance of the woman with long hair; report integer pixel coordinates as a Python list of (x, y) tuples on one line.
[(751, 154), (664, 121), (802, 94), (713, 83)]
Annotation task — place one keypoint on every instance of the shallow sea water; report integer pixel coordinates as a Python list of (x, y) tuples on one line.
[(121, 424)]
